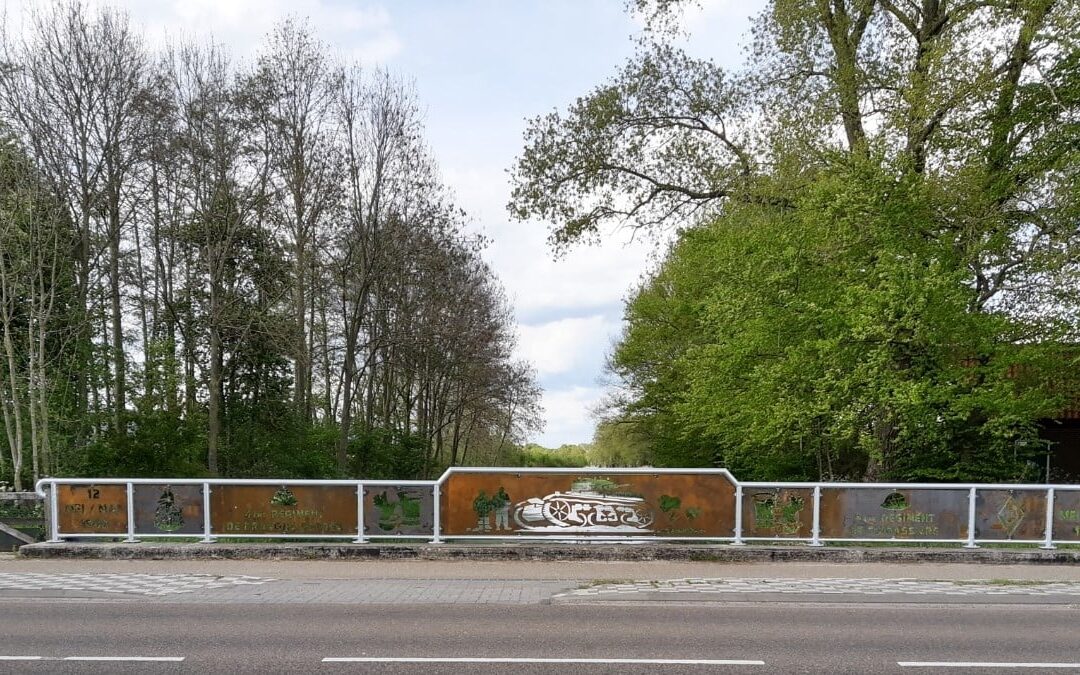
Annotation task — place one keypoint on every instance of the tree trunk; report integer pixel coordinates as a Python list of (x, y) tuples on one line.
[(213, 424)]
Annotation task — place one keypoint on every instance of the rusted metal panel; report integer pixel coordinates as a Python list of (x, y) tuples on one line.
[(778, 512), (287, 509), (399, 509), (92, 509), (885, 513), (1010, 514), (645, 504), (1067, 515), (168, 509)]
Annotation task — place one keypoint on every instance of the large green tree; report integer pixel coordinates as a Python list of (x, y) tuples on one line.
[(36, 311), (887, 202), (829, 341)]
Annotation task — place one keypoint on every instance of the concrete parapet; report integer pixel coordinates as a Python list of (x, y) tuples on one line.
[(545, 552)]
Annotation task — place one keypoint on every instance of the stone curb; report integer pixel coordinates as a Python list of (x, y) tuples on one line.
[(544, 552)]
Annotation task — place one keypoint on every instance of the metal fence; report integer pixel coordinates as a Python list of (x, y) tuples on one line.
[(566, 505), (22, 519)]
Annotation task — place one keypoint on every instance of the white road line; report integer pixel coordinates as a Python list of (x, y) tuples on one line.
[(21, 658), (678, 662), (167, 659), (982, 664)]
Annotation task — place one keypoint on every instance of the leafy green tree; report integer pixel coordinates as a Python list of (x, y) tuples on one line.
[(618, 443), (36, 309), (830, 341), (880, 256)]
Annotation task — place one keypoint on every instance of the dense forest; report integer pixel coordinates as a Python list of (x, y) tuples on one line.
[(210, 267), (876, 273)]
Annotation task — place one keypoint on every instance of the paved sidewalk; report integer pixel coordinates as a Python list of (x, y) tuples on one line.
[(137, 584), (575, 572), (206, 588), (509, 584)]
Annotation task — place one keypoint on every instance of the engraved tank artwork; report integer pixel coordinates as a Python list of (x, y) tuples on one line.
[(591, 505)]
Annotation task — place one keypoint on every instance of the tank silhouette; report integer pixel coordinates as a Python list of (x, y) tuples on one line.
[(583, 508)]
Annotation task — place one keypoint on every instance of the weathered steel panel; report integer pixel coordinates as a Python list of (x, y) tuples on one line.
[(885, 513), (1067, 515), (168, 509), (1010, 514), (399, 509), (92, 509), (778, 512), (286, 509), (596, 503)]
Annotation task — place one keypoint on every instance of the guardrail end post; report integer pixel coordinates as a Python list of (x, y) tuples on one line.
[(1048, 543), (815, 532), (130, 492), (360, 538), (738, 541), (970, 543), (54, 514), (436, 526), (207, 537)]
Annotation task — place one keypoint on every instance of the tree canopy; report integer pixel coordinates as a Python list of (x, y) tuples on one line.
[(876, 272), (217, 268)]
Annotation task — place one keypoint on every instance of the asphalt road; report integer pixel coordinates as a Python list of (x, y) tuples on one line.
[(774, 637), (521, 617)]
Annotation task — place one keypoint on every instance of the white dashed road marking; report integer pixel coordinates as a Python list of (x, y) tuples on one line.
[(982, 664), (140, 659), (479, 660)]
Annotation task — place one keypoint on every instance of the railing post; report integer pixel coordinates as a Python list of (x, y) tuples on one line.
[(815, 532), (54, 513), (436, 525), (360, 539), (971, 520), (738, 541), (1048, 543), (130, 514), (208, 537)]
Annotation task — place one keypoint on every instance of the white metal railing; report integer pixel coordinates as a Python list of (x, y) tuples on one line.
[(48, 487)]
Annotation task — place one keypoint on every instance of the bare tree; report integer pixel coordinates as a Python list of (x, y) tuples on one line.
[(73, 93), (295, 86)]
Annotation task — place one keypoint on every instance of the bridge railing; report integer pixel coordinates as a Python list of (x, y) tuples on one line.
[(22, 519), (641, 504)]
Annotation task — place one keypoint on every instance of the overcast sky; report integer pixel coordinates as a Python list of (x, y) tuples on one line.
[(481, 68)]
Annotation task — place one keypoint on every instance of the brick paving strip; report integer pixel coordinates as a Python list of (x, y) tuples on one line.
[(920, 587), (137, 584)]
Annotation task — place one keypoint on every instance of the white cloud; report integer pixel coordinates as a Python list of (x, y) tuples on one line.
[(564, 345), (587, 276), (366, 34), (569, 416)]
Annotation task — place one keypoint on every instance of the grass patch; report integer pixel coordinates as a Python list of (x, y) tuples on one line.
[(608, 582), (1002, 582)]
